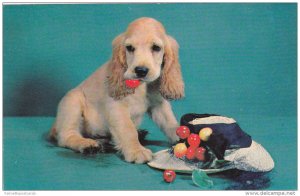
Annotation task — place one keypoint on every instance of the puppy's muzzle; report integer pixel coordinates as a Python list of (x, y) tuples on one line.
[(141, 71)]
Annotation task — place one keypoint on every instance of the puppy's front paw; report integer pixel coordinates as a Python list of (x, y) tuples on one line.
[(173, 139), (139, 155), (172, 136)]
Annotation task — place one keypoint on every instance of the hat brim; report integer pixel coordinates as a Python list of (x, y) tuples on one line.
[(254, 158), (163, 160)]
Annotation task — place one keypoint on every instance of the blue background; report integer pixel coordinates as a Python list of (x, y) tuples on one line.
[(238, 60)]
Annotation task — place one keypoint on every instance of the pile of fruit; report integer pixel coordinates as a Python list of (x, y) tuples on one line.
[(189, 147), (190, 143)]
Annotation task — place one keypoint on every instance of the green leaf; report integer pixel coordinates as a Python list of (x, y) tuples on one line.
[(201, 179)]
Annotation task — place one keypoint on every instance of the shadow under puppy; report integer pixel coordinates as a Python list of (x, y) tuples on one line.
[(103, 105)]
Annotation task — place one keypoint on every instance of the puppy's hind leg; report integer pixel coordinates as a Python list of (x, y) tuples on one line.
[(69, 122)]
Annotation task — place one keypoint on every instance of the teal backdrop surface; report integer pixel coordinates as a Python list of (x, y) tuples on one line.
[(238, 60)]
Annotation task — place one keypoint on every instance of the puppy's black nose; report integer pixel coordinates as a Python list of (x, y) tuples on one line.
[(141, 71)]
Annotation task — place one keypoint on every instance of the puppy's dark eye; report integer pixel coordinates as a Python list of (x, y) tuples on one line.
[(130, 48), (156, 48)]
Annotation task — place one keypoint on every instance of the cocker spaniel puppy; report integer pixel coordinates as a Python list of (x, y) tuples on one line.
[(103, 105)]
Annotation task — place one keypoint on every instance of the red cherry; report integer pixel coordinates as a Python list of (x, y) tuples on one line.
[(194, 140), (183, 132), (169, 175), (200, 153), (190, 153), (132, 83)]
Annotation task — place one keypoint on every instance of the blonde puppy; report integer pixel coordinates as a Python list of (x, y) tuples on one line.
[(103, 105)]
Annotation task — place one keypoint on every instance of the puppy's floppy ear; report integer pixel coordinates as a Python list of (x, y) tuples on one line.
[(116, 69), (171, 83)]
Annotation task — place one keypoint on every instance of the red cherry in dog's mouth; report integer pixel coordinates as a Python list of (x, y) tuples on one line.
[(132, 83)]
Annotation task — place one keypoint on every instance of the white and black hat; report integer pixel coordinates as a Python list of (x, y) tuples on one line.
[(228, 147)]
